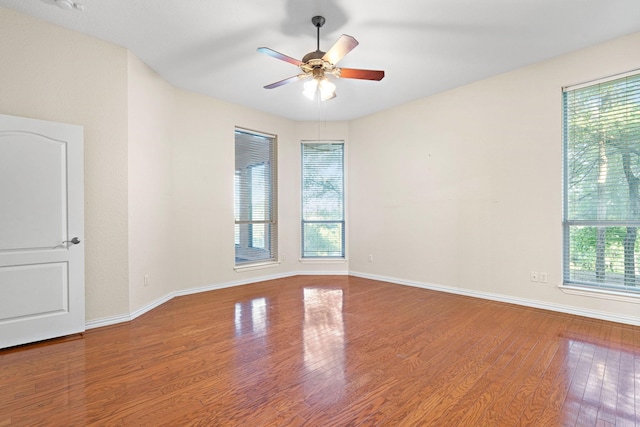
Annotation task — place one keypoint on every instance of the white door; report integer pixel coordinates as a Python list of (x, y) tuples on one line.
[(41, 216)]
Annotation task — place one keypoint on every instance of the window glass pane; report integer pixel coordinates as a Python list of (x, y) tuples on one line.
[(602, 178), (254, 200), (597, 256), (322, 182), (323, 199), (602, 127), (323, 239)]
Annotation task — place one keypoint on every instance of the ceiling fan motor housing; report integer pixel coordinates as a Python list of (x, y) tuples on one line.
[(318, 54)]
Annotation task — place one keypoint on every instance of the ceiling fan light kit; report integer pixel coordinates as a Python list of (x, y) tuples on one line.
[(326, 89), (318, 65)]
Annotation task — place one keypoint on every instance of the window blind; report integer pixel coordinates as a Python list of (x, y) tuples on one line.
[(601, 183), (255, 197), (323, 225)]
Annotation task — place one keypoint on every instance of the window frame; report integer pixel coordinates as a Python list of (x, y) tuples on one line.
[(254, 256), (569, 284), (342, 222)]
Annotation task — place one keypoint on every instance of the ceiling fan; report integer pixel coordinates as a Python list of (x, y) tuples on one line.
[(319, 64)]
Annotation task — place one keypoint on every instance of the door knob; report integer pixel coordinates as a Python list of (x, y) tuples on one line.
[(73, 241)]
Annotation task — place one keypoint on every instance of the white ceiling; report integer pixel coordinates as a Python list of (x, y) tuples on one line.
[(424, 46)]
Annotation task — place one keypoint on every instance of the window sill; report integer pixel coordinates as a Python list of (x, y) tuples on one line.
[(256, 266), (600, 293), (322, 260)]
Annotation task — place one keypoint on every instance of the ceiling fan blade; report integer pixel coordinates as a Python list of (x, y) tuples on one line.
[(279, 56), (344, 45), (284, 82), (353, 73)]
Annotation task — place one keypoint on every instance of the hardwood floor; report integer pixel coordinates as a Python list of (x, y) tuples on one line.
[(330, 351)]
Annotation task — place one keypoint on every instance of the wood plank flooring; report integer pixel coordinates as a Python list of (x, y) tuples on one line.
[(330, 351)]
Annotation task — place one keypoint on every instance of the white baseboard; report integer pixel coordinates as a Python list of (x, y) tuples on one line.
[(629, 320), (107, 321), (441, 288), (113, 320)]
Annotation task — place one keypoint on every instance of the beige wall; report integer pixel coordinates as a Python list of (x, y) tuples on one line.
[(49, 73), (203, 171), (463, 190), (181, 168), (151, 113)]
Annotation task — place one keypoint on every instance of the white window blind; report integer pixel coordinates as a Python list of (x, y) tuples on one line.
[(323, 225), (255, 185), (601, 183)]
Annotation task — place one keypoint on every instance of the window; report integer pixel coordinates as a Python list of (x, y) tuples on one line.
[(323, 200), (601, 180), (255, 198)]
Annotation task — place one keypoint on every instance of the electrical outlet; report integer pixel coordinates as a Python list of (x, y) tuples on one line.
[(370, 258), (146, 280), (543, 277), (534, 276)]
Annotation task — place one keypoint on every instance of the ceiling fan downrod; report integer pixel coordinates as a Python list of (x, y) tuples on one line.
[(318, 21)]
